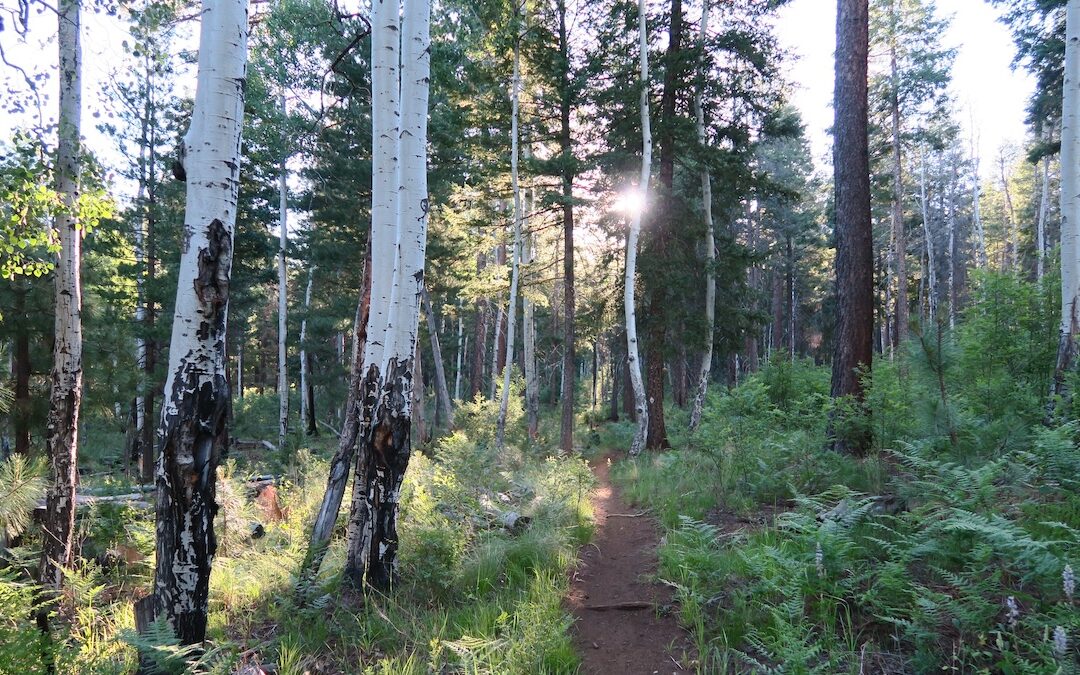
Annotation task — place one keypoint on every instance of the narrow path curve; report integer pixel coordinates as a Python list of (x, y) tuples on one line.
[(626, 623)]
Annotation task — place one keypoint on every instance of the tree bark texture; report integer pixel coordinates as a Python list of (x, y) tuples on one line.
[(1070, 208), (515, 251), (566, 428), (854, 234), (193, 431), (398, 224), (65, 396)]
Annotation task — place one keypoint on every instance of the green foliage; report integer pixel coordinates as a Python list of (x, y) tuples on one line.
[(947, 549), (22, 484)]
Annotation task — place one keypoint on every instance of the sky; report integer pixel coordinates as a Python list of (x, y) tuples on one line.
[(990, 96)]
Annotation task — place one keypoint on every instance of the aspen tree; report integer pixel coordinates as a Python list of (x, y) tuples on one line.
[(193, 431)]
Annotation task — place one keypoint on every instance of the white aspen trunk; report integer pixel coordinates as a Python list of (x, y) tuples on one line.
[(371, 556), (307, 389), (283, 307), (1070, 204), (65, 395), (461, 346), (1040, 225), (515, 253), (710, 245), (193, 432), (495, 373), (930, 264), (632, 354)]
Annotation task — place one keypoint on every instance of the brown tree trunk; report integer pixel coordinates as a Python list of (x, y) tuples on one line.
[(476, 372), (854, 234), (566, 436), (656, 438)]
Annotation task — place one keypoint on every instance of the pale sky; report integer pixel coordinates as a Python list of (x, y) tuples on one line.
[(985, 87)]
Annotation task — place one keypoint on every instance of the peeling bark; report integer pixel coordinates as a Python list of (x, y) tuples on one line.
[(193, 432), (399, 232), (65, 397)]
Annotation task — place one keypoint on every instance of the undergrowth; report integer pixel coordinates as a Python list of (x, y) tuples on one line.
[(950, 546), (473, 597)]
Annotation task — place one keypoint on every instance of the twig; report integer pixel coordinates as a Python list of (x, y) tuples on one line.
[(625, 606)]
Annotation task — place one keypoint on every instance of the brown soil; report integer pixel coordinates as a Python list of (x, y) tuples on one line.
[(626, 622)]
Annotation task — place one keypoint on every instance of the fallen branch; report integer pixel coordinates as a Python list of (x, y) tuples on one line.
[(624, 606)]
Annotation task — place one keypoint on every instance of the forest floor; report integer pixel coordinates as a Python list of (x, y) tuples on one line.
[(626, 620)]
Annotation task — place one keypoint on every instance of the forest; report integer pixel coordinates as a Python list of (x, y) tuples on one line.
[(617, 374)]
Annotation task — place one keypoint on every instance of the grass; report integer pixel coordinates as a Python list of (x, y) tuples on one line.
[(473, 598)]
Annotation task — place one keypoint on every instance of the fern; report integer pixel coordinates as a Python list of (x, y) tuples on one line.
[(161, 648)]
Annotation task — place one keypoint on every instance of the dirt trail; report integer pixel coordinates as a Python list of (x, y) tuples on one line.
[(638, 633)]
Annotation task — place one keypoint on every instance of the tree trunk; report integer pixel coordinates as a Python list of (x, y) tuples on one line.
[(532, 384), (615, 362), (1010, 216), (419, 419), (1070, 209), (641, 413), (307, 386), (566, 435), (515, 252), (980, 234), (476, 371), (1040, 226), (461, 347), (952, 247), (283, 305), (326, 517), (441, 390), (899, 235), (65, 396), (679, 393), (193, 433), (854, 234), (931, 265), (663, 223), (397, 216)]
